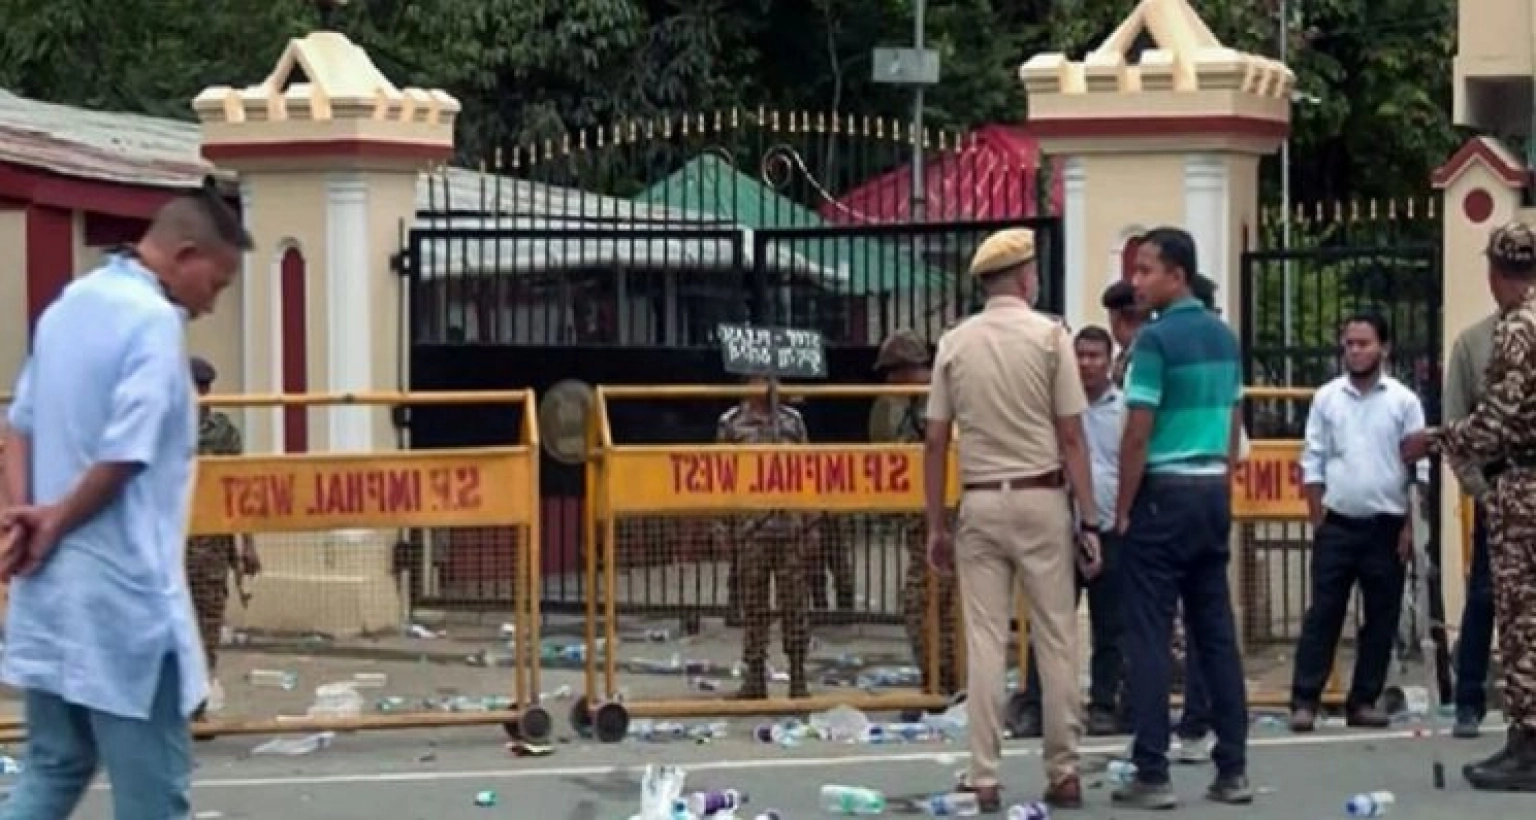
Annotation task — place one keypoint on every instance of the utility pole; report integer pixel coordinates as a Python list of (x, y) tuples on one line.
[(917, 67)]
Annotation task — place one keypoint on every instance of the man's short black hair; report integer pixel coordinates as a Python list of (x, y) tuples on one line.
[(1176, 249), (1097, 335), (1203, 288), (1119, 296), (203, 218), (1376, 321)]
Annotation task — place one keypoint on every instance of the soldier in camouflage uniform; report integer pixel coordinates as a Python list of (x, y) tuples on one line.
[(903, 359), (211, 558), (770, 550), (1499, 435)]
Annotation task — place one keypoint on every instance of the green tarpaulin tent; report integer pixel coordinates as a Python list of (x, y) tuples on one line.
[(708, 184)]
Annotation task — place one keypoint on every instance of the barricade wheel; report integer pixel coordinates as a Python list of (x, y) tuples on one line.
[(536, 723), (581, 717), (1394, 701), (611, 722)]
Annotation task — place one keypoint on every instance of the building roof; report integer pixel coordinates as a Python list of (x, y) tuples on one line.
[(710, 186), (992, 175), (99, 145)]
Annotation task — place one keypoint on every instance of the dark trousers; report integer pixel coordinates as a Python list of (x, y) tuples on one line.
[(1106, 664), (1476, 627), (1195, 720), (1345, 552), (1177, 550)]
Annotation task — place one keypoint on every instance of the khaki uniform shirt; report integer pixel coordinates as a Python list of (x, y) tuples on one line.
[(1004, 376)]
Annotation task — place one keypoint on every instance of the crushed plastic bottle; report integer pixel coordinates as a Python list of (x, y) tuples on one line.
[(951, 725), (715, 801), (1369, 804), (852, 800), (783, 733), (1120, 771), (841, 723), (771, 814), (661, 790), (1030, 811), (10, 765), (912, 732), (337, 700), (215, 697), (419, 631), (295, 746), (272, 677), (370, 680), (955, 804), (485, 798)]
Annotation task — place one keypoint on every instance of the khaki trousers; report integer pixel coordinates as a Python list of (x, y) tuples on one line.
[(1004, 537)]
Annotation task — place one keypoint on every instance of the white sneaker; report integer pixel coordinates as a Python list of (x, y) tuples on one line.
[(1192, 750)]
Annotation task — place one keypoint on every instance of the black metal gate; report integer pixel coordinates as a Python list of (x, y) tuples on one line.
[(1294, 304), (610, 258)]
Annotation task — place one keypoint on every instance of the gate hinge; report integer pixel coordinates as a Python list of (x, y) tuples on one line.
[(399, 263), (400, 417)]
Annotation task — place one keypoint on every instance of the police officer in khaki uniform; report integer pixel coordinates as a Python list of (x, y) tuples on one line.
[(903, 359), (1007, 378)]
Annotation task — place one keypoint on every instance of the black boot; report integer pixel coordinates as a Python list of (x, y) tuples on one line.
[(1512, 769), (797, 681), (754, 681)]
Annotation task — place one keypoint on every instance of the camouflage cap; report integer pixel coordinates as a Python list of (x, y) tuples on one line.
[(1513, 244), (1004, 250), (202, 371), (901, 349)]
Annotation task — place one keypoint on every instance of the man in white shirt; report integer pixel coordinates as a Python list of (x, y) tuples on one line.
[(1357, 490)]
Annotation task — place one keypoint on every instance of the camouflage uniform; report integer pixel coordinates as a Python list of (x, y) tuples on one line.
[(1500, 434), (211, 558), (767, 547), (904, 349)]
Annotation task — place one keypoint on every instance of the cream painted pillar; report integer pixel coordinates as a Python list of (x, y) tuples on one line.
[(329, 153), (1170, 138), (13, 297), (1481, 185)]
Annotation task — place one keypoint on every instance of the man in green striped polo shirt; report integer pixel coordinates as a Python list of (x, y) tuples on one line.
[(1174, 513)]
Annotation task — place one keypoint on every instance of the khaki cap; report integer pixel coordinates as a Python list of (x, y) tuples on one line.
[(901, 349), (1004, 250)]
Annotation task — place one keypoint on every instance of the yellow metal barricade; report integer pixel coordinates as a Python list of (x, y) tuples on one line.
[(683, 494), (328, 637)]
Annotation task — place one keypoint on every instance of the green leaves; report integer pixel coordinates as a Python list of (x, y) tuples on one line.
[(1379, 70)]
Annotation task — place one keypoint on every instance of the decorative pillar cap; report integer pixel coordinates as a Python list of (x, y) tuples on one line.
[(325, 98)]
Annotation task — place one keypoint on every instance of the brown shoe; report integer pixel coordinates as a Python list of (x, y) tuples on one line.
[(1066, 793), (989, 799), (1303, 719), (1367, 717)]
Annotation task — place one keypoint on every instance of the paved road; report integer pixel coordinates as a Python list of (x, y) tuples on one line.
[(435, 775)]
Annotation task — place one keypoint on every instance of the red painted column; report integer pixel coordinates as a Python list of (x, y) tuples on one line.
[(50, 257), (295, 344)]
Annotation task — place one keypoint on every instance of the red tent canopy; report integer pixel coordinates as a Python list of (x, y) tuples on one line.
[(992, 175)]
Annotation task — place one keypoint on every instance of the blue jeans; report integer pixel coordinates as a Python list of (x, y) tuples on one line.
[(1476, 627), (1177, 550), (148, 761)]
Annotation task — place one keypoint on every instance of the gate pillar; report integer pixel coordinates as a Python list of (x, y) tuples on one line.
[(1483, 185), (329, 153), (1171, 135)]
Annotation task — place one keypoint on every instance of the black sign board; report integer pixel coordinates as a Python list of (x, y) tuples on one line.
[(779, 352)]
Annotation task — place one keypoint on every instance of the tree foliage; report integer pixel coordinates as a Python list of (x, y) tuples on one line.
[(1377, 72)]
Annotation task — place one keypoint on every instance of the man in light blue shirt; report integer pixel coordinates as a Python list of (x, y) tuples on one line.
[(1102, 423), (98, 467), (1357, 490)]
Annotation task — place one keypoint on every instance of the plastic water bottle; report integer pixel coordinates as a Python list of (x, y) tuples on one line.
[(1120, 771), (912, 732), (1030, 811), (852, 800), (272, 677), (771, 814), (1370, 804), (703, 804), (294, 747), (957, 804)]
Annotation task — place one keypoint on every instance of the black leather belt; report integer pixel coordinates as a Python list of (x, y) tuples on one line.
[(1045, 481)]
